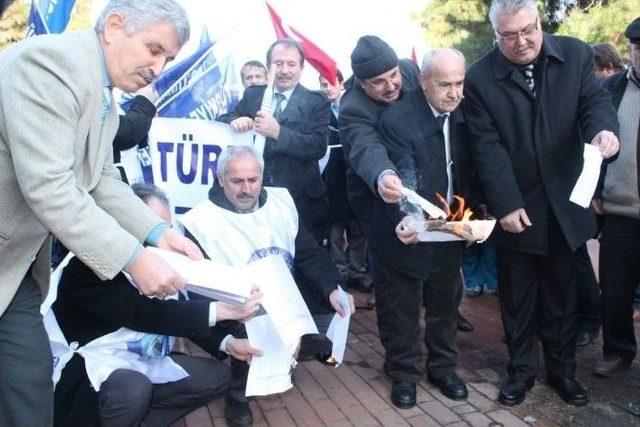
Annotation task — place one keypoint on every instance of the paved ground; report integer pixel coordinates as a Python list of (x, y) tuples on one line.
[(357, 392)]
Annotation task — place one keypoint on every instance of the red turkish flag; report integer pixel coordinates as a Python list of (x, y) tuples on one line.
[(314, 55)]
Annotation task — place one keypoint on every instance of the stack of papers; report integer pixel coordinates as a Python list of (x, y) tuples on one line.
[(276, 333)]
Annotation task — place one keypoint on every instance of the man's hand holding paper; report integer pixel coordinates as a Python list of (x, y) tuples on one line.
[(607, 143), (337, 303), (242, 313)]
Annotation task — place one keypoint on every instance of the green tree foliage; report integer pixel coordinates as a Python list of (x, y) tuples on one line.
[(13, 25), (462, 24), (602, 23)]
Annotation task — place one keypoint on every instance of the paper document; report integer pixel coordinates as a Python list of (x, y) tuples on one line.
[(271, 372), (281, 299), (218, 277), (472, 231), (588, 180), (339, 328), (432, 210)]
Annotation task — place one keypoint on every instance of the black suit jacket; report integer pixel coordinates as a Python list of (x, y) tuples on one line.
[(292, 160), (335, 176), (528, 150), (408, 127), (362, 144)]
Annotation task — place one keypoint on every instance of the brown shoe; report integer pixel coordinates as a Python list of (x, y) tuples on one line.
[(609, 366)]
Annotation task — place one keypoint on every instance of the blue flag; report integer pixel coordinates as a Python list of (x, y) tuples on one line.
[(49, 16), (199, 87)]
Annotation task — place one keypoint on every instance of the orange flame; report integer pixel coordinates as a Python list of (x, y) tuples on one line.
[(461, 213)]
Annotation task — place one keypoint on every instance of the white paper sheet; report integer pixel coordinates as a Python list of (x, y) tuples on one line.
[(271, 372), (481, 230), (209, 274), (281, 299), (432, 210), (588, 180), (339, 328)]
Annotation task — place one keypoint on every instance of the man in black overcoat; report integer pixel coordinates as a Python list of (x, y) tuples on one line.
[(529, 103), (424, 137)]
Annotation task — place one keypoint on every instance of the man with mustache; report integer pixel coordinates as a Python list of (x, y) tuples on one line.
[(243, 221), (530, 102), (57, 124), (424, 137), (296, 132)]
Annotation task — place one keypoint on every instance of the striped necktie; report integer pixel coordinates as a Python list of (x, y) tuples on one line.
[(528, 77)]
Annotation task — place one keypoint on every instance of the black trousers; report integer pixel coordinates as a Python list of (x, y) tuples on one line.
[(619, 275), (538, 297), (399, 299), (589, 298)]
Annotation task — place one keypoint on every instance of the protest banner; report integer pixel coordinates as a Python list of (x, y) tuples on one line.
[(184, 155)]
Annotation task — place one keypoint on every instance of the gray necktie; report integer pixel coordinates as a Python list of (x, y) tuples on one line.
[(278, 98)]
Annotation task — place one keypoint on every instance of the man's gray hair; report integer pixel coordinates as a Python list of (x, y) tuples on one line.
[(139, 14), (427, 59), (233, 152), (509, 7), (150, 191)]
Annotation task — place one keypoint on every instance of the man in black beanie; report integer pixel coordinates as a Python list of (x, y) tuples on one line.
[(379, 80)]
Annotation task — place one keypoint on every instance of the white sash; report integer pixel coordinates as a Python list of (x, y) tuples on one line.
[(103, 355), (237, 239)]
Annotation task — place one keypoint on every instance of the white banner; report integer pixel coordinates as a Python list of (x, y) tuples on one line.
[(184, 155)]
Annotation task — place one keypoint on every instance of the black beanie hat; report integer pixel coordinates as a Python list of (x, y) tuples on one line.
[(372, 57)]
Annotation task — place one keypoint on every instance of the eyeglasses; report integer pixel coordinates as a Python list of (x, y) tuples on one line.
[(526, 32), (381, 82)]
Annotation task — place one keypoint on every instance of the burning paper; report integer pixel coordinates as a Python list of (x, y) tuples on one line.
[(448, 225)]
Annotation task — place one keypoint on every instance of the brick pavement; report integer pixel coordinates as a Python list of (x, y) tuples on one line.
[(357, 393)]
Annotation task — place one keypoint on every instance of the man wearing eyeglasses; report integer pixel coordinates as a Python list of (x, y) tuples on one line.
[(530, 103)]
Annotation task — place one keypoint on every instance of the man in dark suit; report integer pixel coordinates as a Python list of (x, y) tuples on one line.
[(88, 309), (529, 103), (351, 261), (620, 205), (296, 132), (423, 134)]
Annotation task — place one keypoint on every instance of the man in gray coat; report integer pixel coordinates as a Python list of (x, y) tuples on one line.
[(57, 124)]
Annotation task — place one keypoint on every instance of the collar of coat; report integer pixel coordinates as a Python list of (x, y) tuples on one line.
[(421, 104), (503, 68)]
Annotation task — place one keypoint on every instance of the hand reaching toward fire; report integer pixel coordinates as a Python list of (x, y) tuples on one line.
[(516, 221), (390, 187), (407, 234)]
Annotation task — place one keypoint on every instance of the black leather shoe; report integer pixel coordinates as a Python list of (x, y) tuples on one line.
[(403, 394), (570, 391), (238, 412), (464, 325), (451, 386), (513, 392), (585, 338)]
